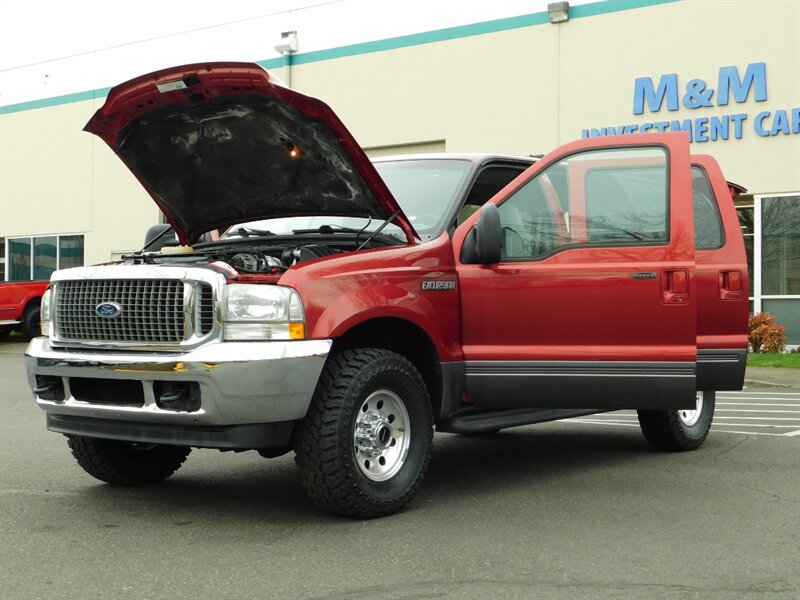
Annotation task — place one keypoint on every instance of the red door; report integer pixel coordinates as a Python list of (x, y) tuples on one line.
[(722, 282), (592, 304)]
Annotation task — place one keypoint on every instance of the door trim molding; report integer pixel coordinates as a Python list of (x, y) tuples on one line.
[(580, 384)]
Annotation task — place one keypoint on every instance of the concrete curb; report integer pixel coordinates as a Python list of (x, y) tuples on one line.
[(760, 383)]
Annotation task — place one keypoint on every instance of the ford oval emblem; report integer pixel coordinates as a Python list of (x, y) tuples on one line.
[(108, 310)]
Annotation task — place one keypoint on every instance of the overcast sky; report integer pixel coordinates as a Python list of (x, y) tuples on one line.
[(34, 31), (52, 48)]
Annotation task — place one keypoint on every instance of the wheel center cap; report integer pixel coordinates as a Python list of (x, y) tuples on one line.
[(373, 434), (383, 434)]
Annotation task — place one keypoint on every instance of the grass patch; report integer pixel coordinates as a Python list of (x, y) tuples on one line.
[(784, 361)]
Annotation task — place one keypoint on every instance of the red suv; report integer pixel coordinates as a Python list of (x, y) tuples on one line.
[(349, 309)]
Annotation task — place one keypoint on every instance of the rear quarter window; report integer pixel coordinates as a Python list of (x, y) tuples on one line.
[(708, 231)]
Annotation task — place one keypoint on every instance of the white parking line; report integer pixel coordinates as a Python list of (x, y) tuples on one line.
[(756, 397), (757, 392), (751, 404), (752, 410), (713, 429), (620, 424), (760, 418), (750, 432), (747, 412), (713, 426)]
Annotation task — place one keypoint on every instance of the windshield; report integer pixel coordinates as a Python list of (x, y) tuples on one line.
[(424, 189)]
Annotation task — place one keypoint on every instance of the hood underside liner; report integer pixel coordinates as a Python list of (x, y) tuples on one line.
[(218, 163)]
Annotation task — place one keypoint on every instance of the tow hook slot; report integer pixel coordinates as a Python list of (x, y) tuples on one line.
[(49, 387), (182, 397)]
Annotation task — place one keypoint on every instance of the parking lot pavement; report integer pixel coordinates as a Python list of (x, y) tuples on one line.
[(752, 411)]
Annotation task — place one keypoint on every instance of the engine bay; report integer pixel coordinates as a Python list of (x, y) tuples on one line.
[(261, 261), (258, 256)]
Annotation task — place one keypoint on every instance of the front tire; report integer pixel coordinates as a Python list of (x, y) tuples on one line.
[(679, 430), (126, 463), (365, 444), (29, 326)]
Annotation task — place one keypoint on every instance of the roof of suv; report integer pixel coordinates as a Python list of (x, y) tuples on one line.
[(476, 157)]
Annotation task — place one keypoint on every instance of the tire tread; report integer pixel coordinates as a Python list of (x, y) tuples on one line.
[(664, 430), (107, 461), (319, 450)]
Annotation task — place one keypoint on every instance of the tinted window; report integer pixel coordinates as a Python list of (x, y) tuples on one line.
[(708, 232), (45, 256), (19, 259), (626, 204), (603, 197)]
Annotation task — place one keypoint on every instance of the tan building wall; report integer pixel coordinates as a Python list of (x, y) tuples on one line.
[(57, 179), (521, 90), (531, 89)]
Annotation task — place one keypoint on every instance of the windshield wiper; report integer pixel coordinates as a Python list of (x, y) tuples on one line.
[(328, 229), (248, 232)]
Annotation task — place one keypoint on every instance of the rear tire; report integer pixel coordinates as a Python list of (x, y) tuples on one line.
[(30, 322), (679, 430), (365, 444), (126, 463)]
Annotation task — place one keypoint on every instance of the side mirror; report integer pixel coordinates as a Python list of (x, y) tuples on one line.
[(159, 236), (482, 244)]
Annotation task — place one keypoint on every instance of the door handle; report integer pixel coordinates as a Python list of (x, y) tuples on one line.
[(675, 286), (730, 285)]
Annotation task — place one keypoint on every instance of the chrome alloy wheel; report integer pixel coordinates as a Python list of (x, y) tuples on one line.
[(690, 416), (382, 435)]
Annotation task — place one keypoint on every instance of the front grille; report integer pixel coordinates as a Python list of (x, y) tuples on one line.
[(150, 311), (205, 308)]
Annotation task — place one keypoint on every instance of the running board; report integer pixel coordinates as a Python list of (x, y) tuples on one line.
[(483, 421)]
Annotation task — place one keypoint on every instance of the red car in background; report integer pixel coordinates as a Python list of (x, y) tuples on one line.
[(19, 307)]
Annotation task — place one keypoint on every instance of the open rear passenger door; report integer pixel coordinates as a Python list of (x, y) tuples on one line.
[(723, 298), (589, 302)]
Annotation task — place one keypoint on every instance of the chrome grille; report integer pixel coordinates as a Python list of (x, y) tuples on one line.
[(205, 308), (151, 311)]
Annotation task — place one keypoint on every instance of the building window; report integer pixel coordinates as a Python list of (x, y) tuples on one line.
[(771, 229), (19, 259), (780, 248), (35, 258), (70, 251)]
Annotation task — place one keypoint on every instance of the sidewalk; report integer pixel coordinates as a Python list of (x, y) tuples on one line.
[(771, 376)]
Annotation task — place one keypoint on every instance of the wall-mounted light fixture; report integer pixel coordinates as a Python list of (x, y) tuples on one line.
[(288, 43), (558, 12), (287, 46)]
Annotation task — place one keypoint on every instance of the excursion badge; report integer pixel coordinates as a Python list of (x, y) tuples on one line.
[(438, 285)]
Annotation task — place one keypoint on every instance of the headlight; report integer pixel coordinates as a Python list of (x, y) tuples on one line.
[(45, 319), (262, 312)]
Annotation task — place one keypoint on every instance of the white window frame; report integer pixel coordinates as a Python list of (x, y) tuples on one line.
[(58, 237)]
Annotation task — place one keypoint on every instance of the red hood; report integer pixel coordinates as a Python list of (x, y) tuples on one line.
[(221, 143)]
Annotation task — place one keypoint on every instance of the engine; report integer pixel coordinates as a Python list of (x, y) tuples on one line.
[(271, 259)]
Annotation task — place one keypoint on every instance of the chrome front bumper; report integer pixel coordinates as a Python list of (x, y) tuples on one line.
[(240, 383)]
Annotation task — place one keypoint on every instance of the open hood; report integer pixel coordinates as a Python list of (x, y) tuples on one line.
[(222, 143)]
